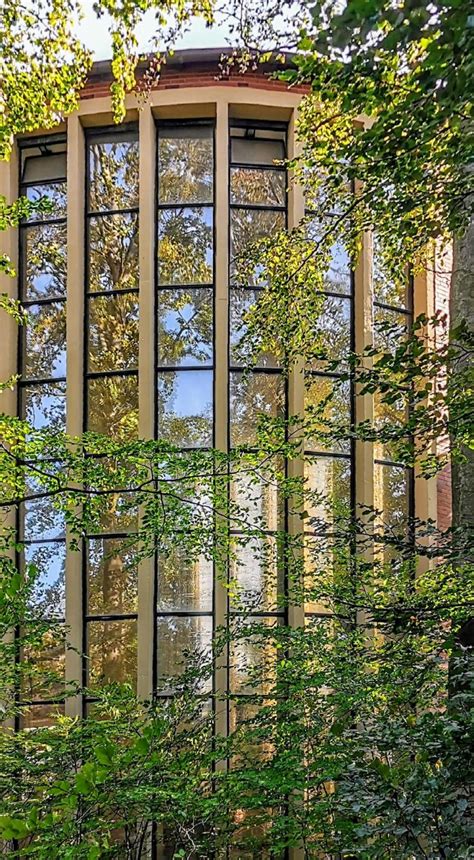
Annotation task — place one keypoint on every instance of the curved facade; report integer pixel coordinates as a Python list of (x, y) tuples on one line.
[(133, 319)]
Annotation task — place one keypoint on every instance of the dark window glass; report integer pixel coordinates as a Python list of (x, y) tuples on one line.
[(44, 261), (260, 148), (113, 173), (251, 186), (112, 652), (113, 332), (113, 252), (43, 164), (185, 408), (113, 406), (185, 164), (253, 395), (185, 327), (45, 341), (185, 246), (40, 716)]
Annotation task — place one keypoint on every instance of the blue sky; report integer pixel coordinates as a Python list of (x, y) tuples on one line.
[(94, 33)]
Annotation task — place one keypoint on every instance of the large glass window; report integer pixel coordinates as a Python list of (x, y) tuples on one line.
[(111, 390), (42, 393), (185, 368), (258, 210)]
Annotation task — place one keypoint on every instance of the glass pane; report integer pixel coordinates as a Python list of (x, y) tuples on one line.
[(185, 327), (253, 656), (338, 277), (112, 652), (111, 577), (41, 520), (240, 302), (113, 332), (44, 406), (251, 396), (390, 329), (185, 165), (113, 253), (185, 246), (257, 187), (45, 341), (44, 166), (255, 151), (327, 489), (184, 583), (185, 408), (257, 573), (332, 332), (182, 642), (49, 560), (327, 414), (389, 418), (113, 174), (40, 716), (254, 491), (113, 406), (387, 290), (43, 665), (248, 226), (55, 193), (44, 261), (391, 497)]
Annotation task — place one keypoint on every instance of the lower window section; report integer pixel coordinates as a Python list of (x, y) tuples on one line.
[(183, 645)]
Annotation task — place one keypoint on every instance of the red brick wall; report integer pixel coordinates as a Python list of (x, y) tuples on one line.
[(175, 77)]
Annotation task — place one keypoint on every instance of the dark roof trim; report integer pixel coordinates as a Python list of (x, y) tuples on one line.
[(183, 58)]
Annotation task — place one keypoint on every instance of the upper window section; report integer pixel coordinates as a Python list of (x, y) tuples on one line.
[(113, 171), (260, 146), (43, 176), (186, 164)]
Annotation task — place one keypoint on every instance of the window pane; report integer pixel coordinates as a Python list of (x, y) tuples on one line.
[(391, 497), (40, 167), (113, 253), (185, 246), (113, 332), (185, 327), (257, 187), (44, 406), (44, 666), (178, 635), (49, 560), (113, 174), (41, 520), (332, 332), (184, 583), (253, 658), (44, 261), (327, 414), (250, 396), (257, 572), (45, 341), (240, 302), (185, 165), (327, 489), (112, 577), (254, 490), (386, 290), (112, 652), (248, 226), (389, 418), (338, 277), (40, 716), (185, 408), (255, 151), (390, 329), (55, 192), (113, 406)]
